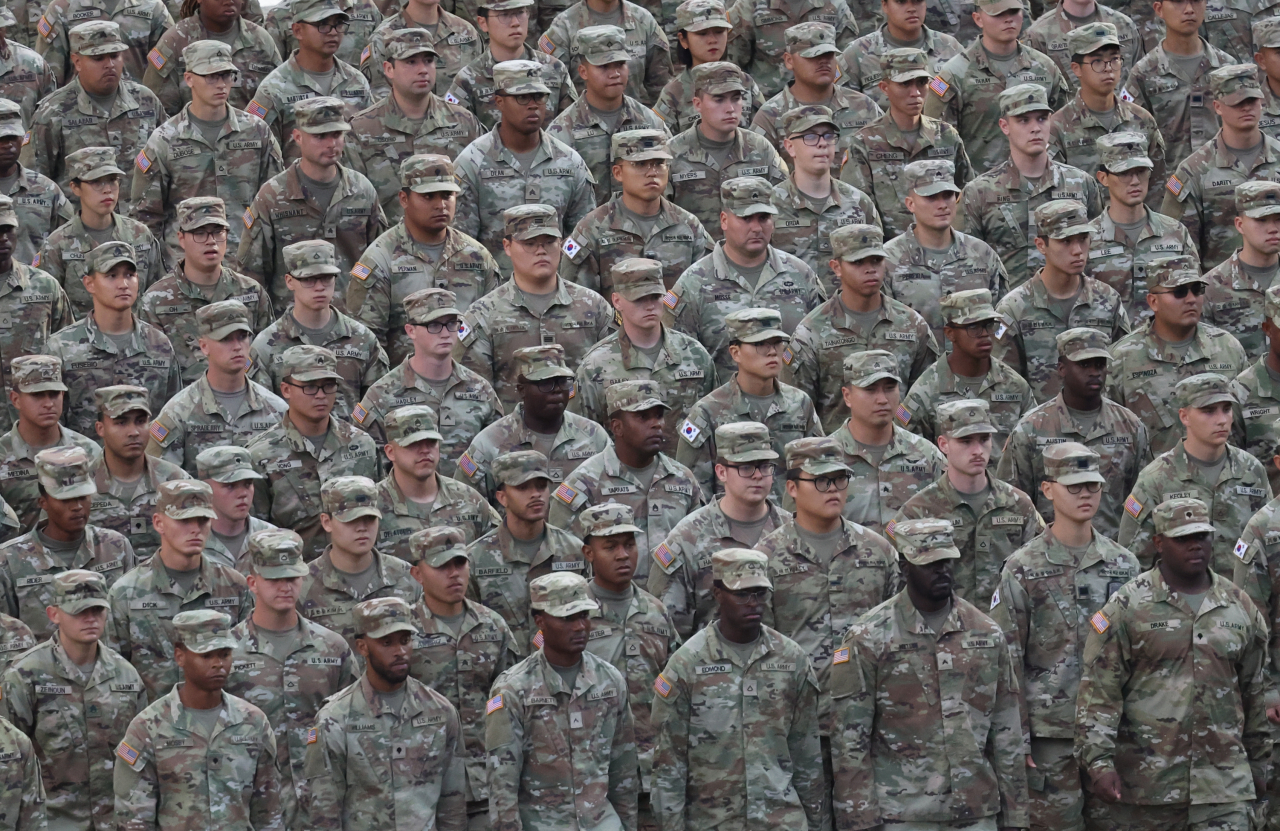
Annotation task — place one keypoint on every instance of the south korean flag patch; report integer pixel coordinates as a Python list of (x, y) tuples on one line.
[(570, 247), (689, 431), (1241, 549)]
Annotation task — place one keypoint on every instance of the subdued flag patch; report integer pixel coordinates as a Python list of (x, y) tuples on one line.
[(662, 686), (494, 705), (1099, 622)]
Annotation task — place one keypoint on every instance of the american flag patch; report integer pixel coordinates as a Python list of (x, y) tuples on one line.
[(1241, 548), (451, 98), (359, 414), (787, 355), (144, 164), (903, 415), (36, 262), (43, 26), (1099, 622), (939, 86), (247, 217), (157, 60), (313, 735), (26, 138), (467, 466), (671, 300), (545, 44), (365, 53), (257, 109), (158, 431), (361, 271), (1132, 507), (689, 430), (571, 247), (664, 555), (841, 656), (662, 686), (494, 705), (538, 640), (566, 494), (1174, 185), (124, 751), (888, 529)]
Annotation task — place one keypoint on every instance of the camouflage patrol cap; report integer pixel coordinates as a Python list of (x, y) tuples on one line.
[(8, 216), (744, 441), (310, 258), (1258, 198), (225, 464), (699, 15), (276, 554), (65, 472), (438, 546), (1071, 463), (89, 164), (382, 616), (1266, 33), (636, 277), (185, 499), (1083, 343), (960, 308), (924, 541), (519, 466), (561, 594), (1061, 218), (634, 397), (208, 57), (309, 363), (747, 196), (854, 243), (505, 5), (1235, 83), (531, 221), (817, 456), (519, 78), (1270, 306), (314, 11), (218, 320), (97, 37), (606, 519), (600, 45), (639, 145), (1118, 152), (965, 417), (7, 19), (1091, 37), (199, 211), (812, 39), (428, 173), (754, 325), (717, 78), (322, 114), (740, 568), (115, 401), (110, 254), (79, 589), (1181, 517), (538, 363), (411, 424), (1203, 390), (37, 373), (11, 119), (1023, 98), (406, 43), (797, 120), (203, 630), (862, 369), (998, 6), (347, 498), (902, 65), (426, 305), (931, 176), (1170, 272)]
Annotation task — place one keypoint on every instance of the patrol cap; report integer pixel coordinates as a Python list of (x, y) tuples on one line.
[(600, 45), (1091, 37), (11, 119), (853, 243), (904, 64), (110, 254), (79, 589), (185, 499), (426, 305), (309, 363), (747, 196), (531, 221), (924, 541), (960, 308), (382, 616), (1062, 218), (1203, 390), (606, 519), (314, 11), (634, 397), (6, 17), (717, 78), (862, 369), (117, 400), (965, 417), (699, 15), (740, 568), (322, 114), (411, 424), (428, 173), (1258, 198), (998, 6), (1270, 306), (89, 164), (406, 43), (1235, 83), (538, 363), (1083, 343), (1118, 152), (1171, 272), (347, 498), (225, 464), (1266, 33), (37, 373), (203, 630), (812, 39), (744, 441), (1181, 518), (798, 119), (636, 277), (199, 211), (817, 456), (639, 145), (97, 37), (1071, 463), (561, 594), (519, 78), (438, 546), (1023, 98), (505, 5), (65, 472), (276, 554), (8, 216), (754, 325), (931, 176), (519, 466), (217, 320), (208, 57)]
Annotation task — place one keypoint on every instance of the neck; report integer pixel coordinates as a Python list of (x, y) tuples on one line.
[(6, 264), (426, 236), (1126, 214), (644, 338), (1079, 8), (197, 699), (212, 27), (316, 62), (351, 562), (525, 529), (870, 434), (542, 422), (80, 652), (1238, 139), (562, 659), (1172, 332), (1074, 533), (38, 436), (603, 6), (57, 532), (318, 172), (200, 274), (95, 220), (966, 482), (428, 13), (595, 99), (904, 35), (269, 618), (10, 169), (970, 366), (1252, 256), (225, 382), (926, 604), (641, 206), (208, 112), (906, 123), (229, 527), (113, 321), (124, 469), (381, 684), (502, 53), (736, 634), (633, 456), (1083, 400), (1185, 583), (815, 524), (415, 489), (807, 93), (444, 608), (306, 425), (1031, 166), (816, 184), (713, 134), (859, 302), (1177, 44), (516, 141), (413, 106), (1099, 102), (1202, 450), (615, 586), (939, 239), (431, 367), (1273, 84), (1060, 284), (177, 560), (757, 385), (312, 318), (741, 510), (744, 259), (999, 49), (1273, 361), (534, 285)]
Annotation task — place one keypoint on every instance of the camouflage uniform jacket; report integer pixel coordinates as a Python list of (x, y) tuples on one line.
[(1124, 267), (326, 599), (590, 135), (132, 519), (900, 754), (1269, 123), (650, 59), (500, 323), (577, 440), (790, 416), (1240, 491), (365, 16), (1228, 24), (252, 51), (25, 77), (456, 42), (758, 37), (1049, 35), (75, 723), (860, 64), (194, 419), (1116, 435), (288, 84), (738, 742), (22, 790), (216, 551), (675, 103), (815, 359), (455, 504), (180, 777), (1258, 411), (295, 469), (910, 464), (62, 254), (500, 582), (1234, 302), (711, 289), (695, 177), (1143, 373), (561, 758), (398, 265), (90, 360), (1174, 700), (806, 234), (1074, 131), (1256, 570), (282, 214), (18, 485), (853, 110), (178, 162), (32, 307), (40, 207), (1183, 113), (682, 368), (472, 87), (492, 180), (15, 639), (143, 604), (142, 22)]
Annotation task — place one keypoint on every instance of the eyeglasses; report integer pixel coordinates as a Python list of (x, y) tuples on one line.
[(524, 99), (1100, 65), (539, 243), (508, 17), (981, 327), (766, 347), (206, 235), (550, 385), (1180, 292), (1091, 487), (826, 484), (227, 77), (812, 139), (316, 280), (748, 595), (435, 327), (751, 471), (330, 28), (327, 387), (650, 165)]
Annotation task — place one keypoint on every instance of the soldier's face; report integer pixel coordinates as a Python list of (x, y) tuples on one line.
[(388, 656), (277, 595), (932, 583), (613, 559), (69, 515), (99, 74), (1067, 255), (206, 671), (536, 258), (1174, 311), (1244, 115), (760, 360), (355, 537), (219, 13), (445, 584), (232, 500), (975, 340), (548, 406), (906, 16), (1028, 132), (817, 72), (116, 290), (323, 149), (812, 150), (210, 90), (314, 293), (1102, 80), (523, 113), (83, 628), (1075, 507), (312, 407), (1262, 235), (742, 611), (507, 29), (720, 113), (1268, 57), (933, 212), (968, 455), (8, 239), (1128, 187), (10, 146), (906, 97), (564, 636), (873, 405), (608, 81), (311, 39), (438, 346), (1083, 378), (644, 313), (1209, 425), (100, 196), (705, 45), (748, 235), (863, 278), (743, 484), (1003, 28), (183, 536), (640, 431), (1182, 17), (417, 461), (1187, 557), (40, 409), (124, 436), (203, 247), (229, 355), (816, 504), (429, 213), (414, 75), (528, 501), (643, 180)]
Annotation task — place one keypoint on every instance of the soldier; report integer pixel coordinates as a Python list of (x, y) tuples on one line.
[(111, 345), (535, 307), (40, 206), (713, 758), (75, 679), (862, 65), (1256, 393), (753, 393), (648, 61), (283, 663), (229, 473), (538, 422), (1128, 235), (230, 160), (1234, 297), (999, 206), (494, 181), (968, 370), (177, 579), (128, 480), (1172, 345), (758, 40), (642, 347), (95, 187), (1071, 559), (222, 406), (1150, 706), (139, 29), (1266, 39), (632, 471), (421, 251), (15, 638), (1054, 34), (227, 771), (70, 119), (891, 741), (363, 17), (454, 40), (859, 317), (460, 649), (715, 150), (25, 77), (22, 785)]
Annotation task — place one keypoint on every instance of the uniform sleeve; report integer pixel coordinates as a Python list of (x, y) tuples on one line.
[(33, 815), (18, 706), (918, 404), (467, 217), (624, 768), (1137, 532), (504, 738), (1256, 690), (451, 809), (264, 803), (475, 350), (742, 33), (1008, 744), (256, 254), (853, 689), (1015, 462), (926, 350), (657, 67), (1182, 202), (325, 771), (1011, 608), (164, 81), (694, 450), (1105, 671), (670, 724), (802, 369), (150, 191), (136, 785), (39, 143), (857, 170), (53, 46), (806, 754), (584, 198), (946, 105)]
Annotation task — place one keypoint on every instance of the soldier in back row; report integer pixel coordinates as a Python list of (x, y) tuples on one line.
[(1234, 298), (39, 203)]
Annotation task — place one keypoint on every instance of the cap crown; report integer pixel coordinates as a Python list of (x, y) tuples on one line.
[(798, 119), (557, 589), (812, 449), (178, 495), (745, 192), (201, 627), (62, 468), (519, 465), (88, 159), (630, 395), (1171, 272), (1257, 194), (1234, 78), (372, 615), (717, 77), (637, 271), (96, 37), (1060, 214), (405, 421), (1266, 32), (597, 42), (199, 211), (929, 171), (897, 61), (1091, 37), (527, 221), (205, 56), (405, 43), (426, 168), (809, 34), (78, 584), (220, 461), (917, 537), (1116, 148), (29, 370), (428, 542), (215, 316), (422, 304), (1189, 390), (274, 547), (534, 360), (1074, 341), (103, 258), (308, 254), (513, 76), (694, 12), (343, 493), (122, 398), (732, 566), (1173, 514), (599, 518), (631, 143), (966, 412), (964, 306), (1271, 303), (742, 437), (862, 365), (848, 240), (1024, 97), (307, 358), (744, 324), (1069, 457)]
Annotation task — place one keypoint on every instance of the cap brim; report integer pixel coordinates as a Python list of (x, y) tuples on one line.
[(8, 219), (236, 476), (101, 172), (646, 155), (1088, 355), (116, 412), (112, 262), (1000, 6), (752, 210), (212, 645), (1212, 398), (436, 187), (1129, 164), (331, 127), (819, 50), (103, 49), (47, 386), (526, 476), (610, 57), (1070, 231), (723, 87), (1028, 108), (74, 492), (1188, 530), (417, 436), (282, 572), (814, 121), (550, 372), (873, 377), (1266, 210), (824, 468), (751, 456), (75, 607), (933, 556), (614, 529), (764, 335), (221, 66), (316, 375), (317, 15), (316, 270), (910, 75), (413, 53), (534, 233), (712, 23), (391, 628), (436, 314), (222, 331), (758, 582), (1243, 95), (863, 253), (638, 291), (352, 514), (442, 558), (531, 88), (973, 430), (191, 513), (1081, 478), (976, 317), (586, 604), (647, 404), (12, 129), (934, 188)]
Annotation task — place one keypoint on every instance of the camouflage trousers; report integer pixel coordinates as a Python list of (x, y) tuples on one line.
[(1056, 798), (1120, 816), (478, 815), (984, 824)]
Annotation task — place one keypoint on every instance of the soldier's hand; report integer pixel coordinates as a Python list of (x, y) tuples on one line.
[(1107, 786), (1031, 763), (1273, 714)]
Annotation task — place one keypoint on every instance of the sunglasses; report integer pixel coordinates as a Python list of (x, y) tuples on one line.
[(1181, 292)]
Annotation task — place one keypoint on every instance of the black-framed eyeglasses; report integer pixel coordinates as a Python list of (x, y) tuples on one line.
[(1196, 289), (748, 595), (978, 328), (435, 327), (1091, 487), (229, 76), (1102, 65), (812, 139), (326, 28), (766, 347), (524, 99), (826, 484), (207, 233), (550, 385), (753, 469), (327, 387), (316, 280)]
